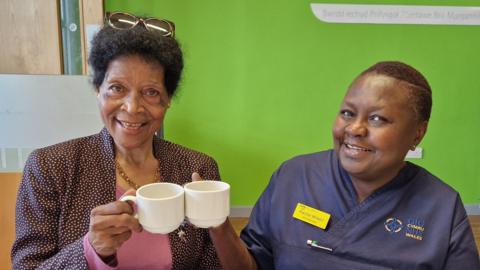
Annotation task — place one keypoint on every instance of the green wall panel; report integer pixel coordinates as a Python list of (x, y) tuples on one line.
[(264, 79)]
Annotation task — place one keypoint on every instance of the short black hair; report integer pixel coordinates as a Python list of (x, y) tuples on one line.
[(418, 85), (109, 44)]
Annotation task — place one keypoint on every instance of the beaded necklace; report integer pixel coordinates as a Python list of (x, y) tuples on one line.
[(129, 181)]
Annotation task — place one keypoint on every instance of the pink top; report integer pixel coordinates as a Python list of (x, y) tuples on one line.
[(142, 251)]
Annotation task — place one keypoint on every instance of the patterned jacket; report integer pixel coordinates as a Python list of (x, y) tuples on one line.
[(62, 183)]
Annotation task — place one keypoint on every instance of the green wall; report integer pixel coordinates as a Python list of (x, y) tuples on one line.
[(264, 79)]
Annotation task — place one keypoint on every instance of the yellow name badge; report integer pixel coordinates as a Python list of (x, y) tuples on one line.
[(311, 215)]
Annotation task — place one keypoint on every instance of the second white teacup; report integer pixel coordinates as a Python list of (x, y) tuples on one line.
[(207, 203), (160, 207)]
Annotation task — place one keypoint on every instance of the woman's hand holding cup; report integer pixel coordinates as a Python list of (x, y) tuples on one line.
[(160, 210), (110, 226), (159, 206)]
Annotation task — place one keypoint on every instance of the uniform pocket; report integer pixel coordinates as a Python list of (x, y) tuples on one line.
[(292, 257)]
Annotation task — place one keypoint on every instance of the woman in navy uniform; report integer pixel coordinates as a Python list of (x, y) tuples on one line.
[(360, 205)]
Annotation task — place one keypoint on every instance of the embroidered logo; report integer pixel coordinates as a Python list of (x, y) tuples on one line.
[(415, 229), (393, 225)]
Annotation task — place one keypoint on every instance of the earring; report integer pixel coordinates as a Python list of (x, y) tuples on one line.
[(413, 147)]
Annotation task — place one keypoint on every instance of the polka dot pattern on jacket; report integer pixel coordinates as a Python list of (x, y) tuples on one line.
[(62, 183)]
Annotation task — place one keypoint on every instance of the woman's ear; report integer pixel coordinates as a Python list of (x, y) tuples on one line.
[(420, 133)]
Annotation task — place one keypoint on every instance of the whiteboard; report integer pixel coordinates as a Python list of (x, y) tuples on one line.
[(41, 110)]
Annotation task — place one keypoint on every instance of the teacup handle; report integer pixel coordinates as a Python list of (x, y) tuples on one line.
[(130, 198)]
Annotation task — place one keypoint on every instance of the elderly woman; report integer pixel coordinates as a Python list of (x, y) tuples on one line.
[(67, 215), (360, 206)]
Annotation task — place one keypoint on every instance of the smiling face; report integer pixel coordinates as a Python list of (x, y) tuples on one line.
[(375, 128), (133, 101)]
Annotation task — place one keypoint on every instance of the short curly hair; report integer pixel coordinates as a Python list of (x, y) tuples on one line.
[(420, 91), (109, 44)]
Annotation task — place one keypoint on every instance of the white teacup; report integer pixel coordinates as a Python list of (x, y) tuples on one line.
[(160, 207), (207, 203)]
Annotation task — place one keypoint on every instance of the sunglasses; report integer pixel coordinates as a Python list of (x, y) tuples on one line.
[(120, 20)]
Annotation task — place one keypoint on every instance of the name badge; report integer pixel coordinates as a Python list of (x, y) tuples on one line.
[(311, 215)]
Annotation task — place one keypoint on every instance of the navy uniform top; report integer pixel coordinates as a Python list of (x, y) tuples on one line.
[(414, 222)]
